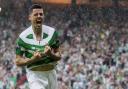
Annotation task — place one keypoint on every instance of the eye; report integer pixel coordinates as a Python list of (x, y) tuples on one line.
[(36, 14), (41, 14)]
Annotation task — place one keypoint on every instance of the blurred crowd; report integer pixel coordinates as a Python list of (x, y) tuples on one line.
[(94, 46)]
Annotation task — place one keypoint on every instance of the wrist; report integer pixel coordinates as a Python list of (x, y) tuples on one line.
[(50, 54), (43, 55), (33, 58)]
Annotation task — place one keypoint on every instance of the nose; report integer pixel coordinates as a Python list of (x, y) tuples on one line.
[(38, 15)]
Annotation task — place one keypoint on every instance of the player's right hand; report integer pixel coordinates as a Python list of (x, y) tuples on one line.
[(37, 55)]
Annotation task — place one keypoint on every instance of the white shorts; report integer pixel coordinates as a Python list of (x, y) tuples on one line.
[(42, 79)]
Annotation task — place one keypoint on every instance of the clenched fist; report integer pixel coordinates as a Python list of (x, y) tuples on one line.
[(47, 50), (37, 55)]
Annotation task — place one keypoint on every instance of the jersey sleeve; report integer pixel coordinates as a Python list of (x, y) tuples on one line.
[(54, 42), (19, 50)]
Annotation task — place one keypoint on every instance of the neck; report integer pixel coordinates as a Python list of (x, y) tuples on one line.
[(38, 33)]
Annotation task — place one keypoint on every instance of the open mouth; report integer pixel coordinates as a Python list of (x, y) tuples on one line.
[(38, 21)]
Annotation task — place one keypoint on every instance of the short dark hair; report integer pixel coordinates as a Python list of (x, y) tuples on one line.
[(35, 6)]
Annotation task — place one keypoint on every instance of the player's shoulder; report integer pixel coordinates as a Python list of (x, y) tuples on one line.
[(26, 32), (47, 28), (23, 35)]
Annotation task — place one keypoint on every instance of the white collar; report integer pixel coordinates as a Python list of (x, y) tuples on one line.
[(46, 29)]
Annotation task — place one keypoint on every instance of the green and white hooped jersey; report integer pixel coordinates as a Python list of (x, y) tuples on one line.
[(27, 44)]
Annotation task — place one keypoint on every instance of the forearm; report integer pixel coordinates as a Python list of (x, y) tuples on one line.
[(20, 61), (55, 56)]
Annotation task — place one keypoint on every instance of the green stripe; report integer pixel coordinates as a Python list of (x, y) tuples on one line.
[(28, 55), (18, 51), (21, 43), (45, 60), (54, 41)]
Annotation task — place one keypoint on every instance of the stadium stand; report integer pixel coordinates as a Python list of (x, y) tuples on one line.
[(93, 40)]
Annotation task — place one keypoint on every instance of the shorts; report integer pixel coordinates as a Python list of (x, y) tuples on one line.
[(42, 79)]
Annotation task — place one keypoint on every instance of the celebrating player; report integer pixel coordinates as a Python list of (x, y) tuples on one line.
[(38, 50)]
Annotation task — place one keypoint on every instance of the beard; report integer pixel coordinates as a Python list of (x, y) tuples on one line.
[(38, 29), (38, 26)]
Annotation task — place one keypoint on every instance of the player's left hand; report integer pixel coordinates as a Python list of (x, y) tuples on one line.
[(47, 50)]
